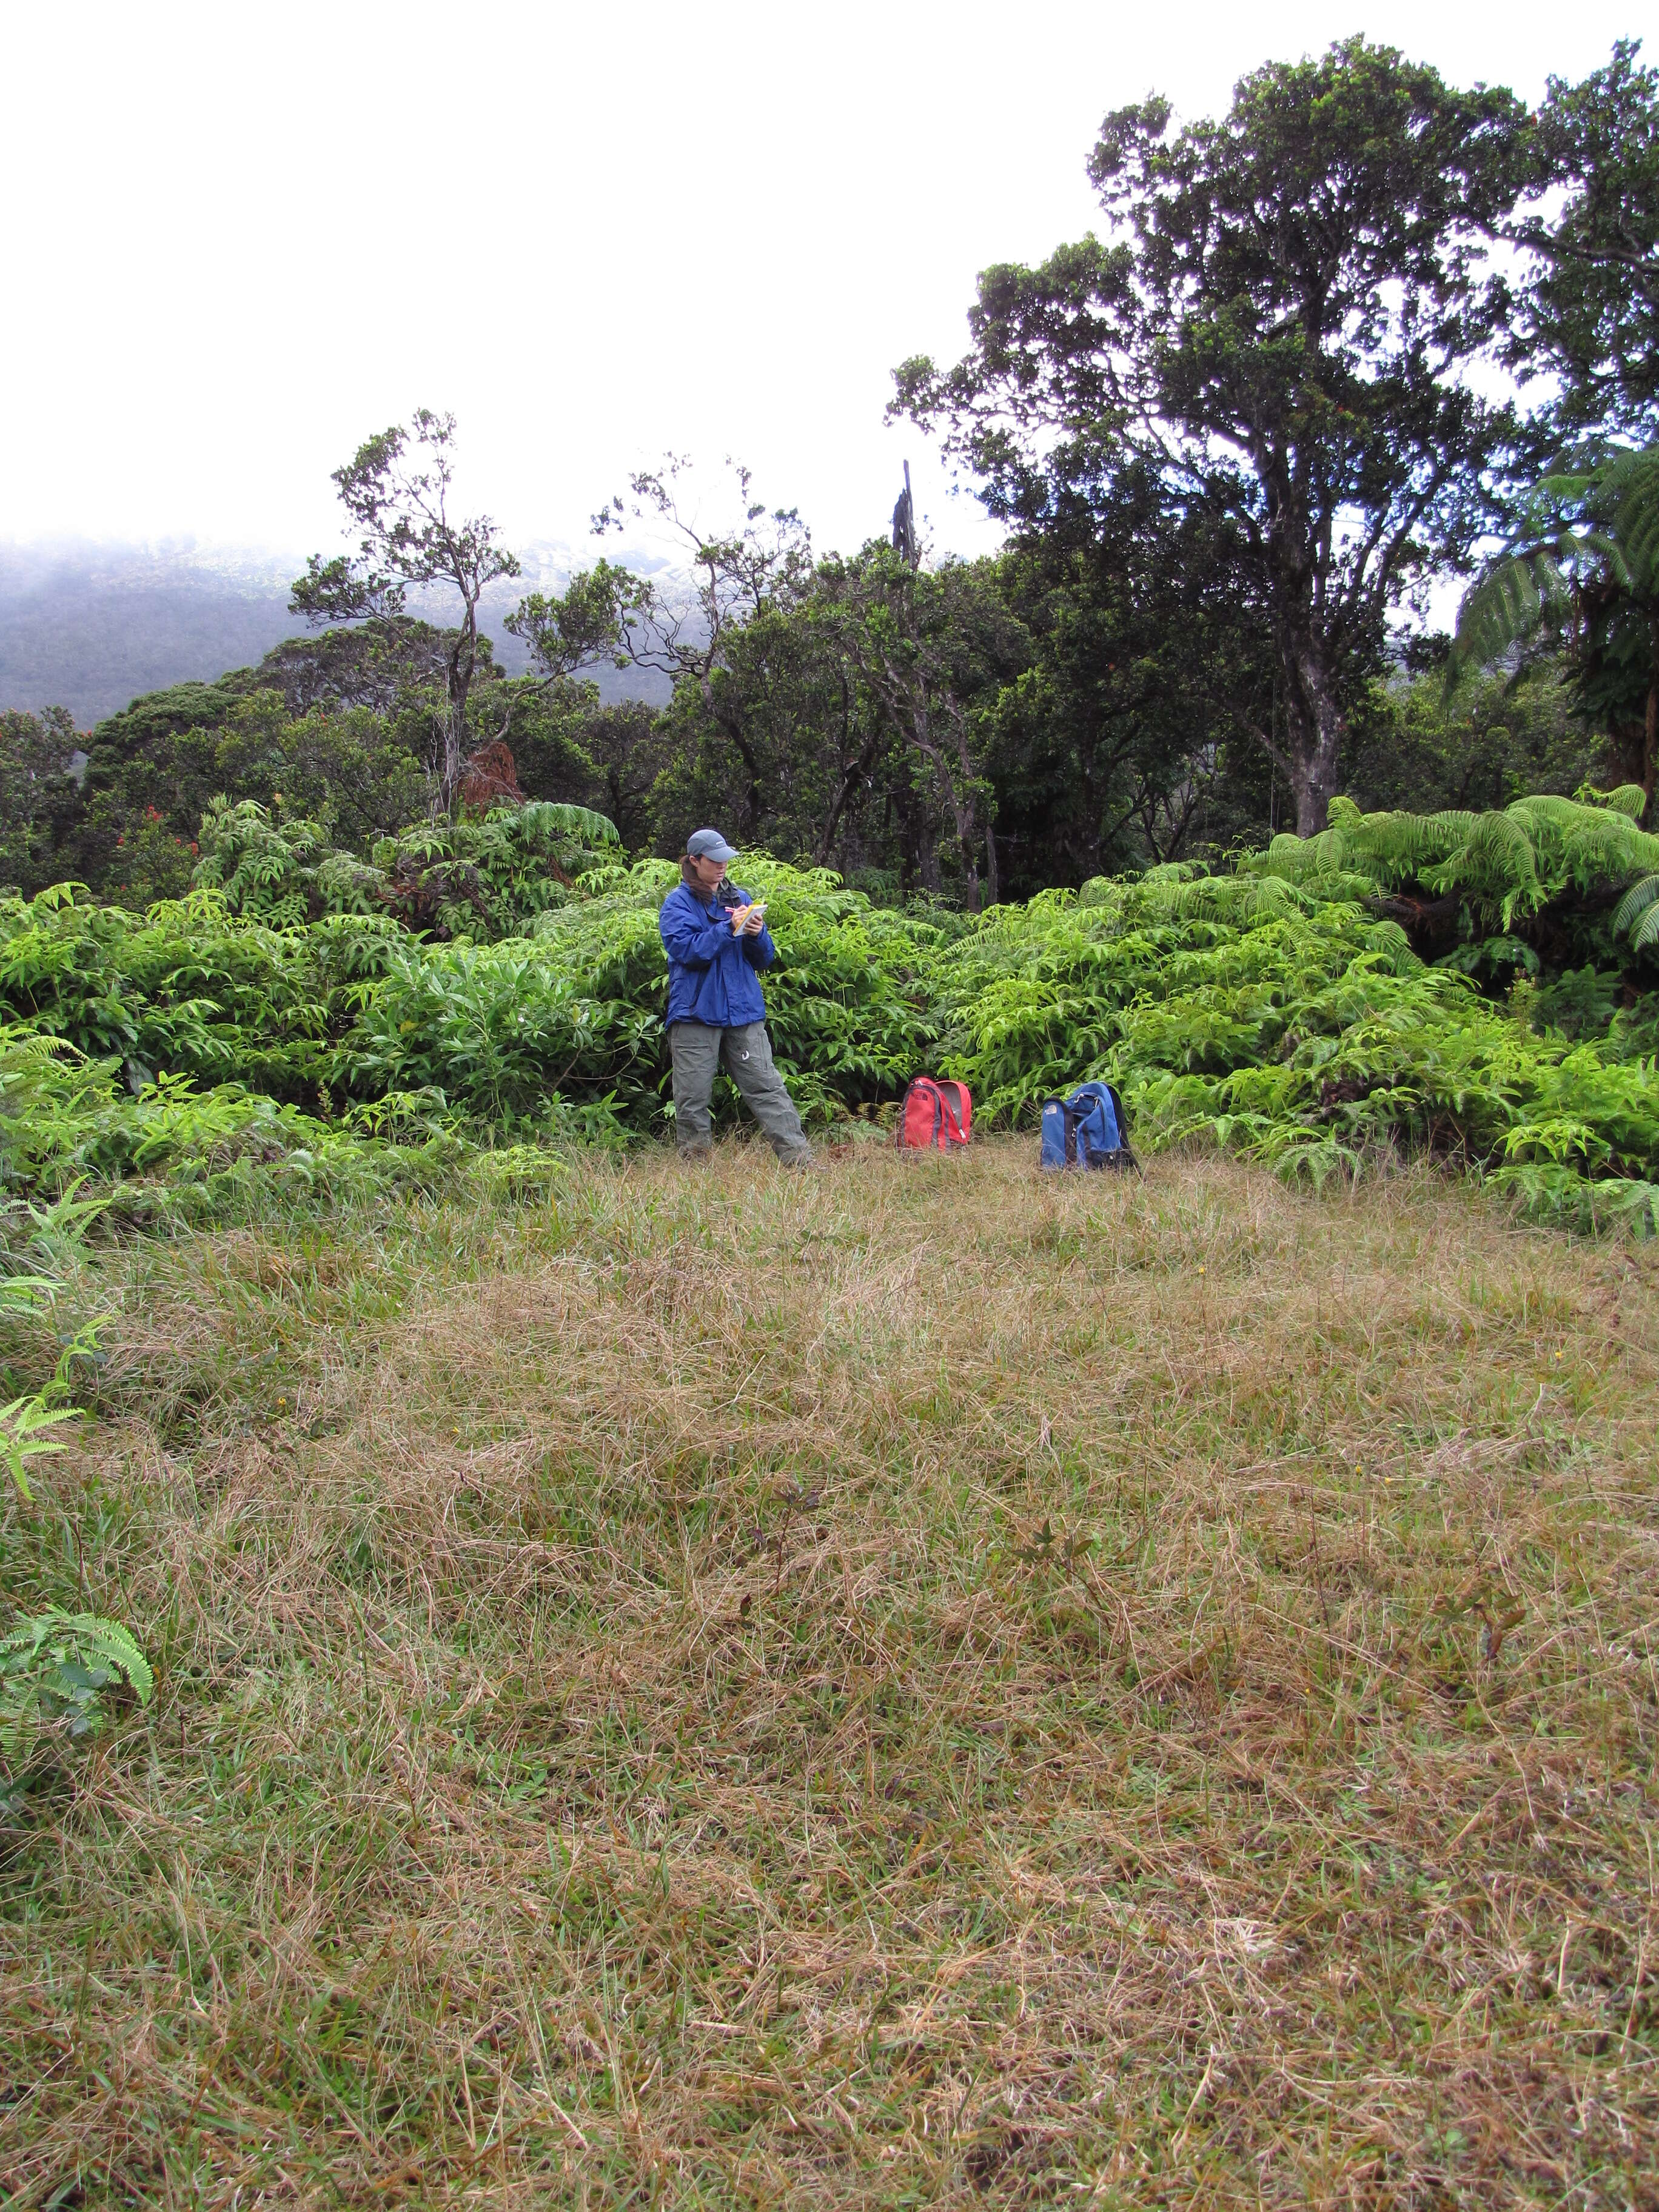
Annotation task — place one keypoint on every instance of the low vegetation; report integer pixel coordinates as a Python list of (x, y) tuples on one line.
[(535, 1672), (917, 1683), (1474, 986)]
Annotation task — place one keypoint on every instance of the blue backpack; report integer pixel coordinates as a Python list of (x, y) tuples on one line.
[(1087, 1130)]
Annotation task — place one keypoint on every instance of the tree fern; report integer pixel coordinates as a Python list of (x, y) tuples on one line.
[(1629, 484), (1604, 517), (549, 820), (1627, 798), (1638, 915), (1505, 864)]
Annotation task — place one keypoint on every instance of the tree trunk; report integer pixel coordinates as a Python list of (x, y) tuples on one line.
[(458, 685), (851, 777), (724, 719), (852, 773), (961, 800), (751, 797), (918, 857), (1312, 741), (1650, 732)]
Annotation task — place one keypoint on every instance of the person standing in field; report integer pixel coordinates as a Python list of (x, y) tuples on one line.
[(717, 943)]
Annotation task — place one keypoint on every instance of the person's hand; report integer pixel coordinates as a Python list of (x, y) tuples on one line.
[(740, 920), (754, 920)]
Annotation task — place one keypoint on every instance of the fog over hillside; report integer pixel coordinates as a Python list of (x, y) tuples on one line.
[(90, 626)]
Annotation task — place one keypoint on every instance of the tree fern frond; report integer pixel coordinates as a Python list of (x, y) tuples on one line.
[(1632, 483), (1641, 899), (1275, 895), (1220, 898), (1388, 938), (1503, 606), (1394, 847), (553, 818), (1626, 798), (1585, 840), (1595, 545), (1450, 821), (1501, 841), (1550, 498), (1608, 516), (1580, 845), (1495, 866), (1285, 850)]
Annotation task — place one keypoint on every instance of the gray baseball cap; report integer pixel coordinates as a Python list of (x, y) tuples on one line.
[(709, 845)]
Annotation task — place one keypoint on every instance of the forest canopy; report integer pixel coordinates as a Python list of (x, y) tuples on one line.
[(1239, 440)]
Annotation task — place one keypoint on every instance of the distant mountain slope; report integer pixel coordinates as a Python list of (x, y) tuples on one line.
[(91, 627)]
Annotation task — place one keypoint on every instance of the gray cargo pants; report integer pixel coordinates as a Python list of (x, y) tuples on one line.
[(698, 1051)]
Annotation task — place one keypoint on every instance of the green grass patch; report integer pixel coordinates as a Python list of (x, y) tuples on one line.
[(920, 1683)]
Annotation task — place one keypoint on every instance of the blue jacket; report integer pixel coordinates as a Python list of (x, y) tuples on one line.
[(711, 975)]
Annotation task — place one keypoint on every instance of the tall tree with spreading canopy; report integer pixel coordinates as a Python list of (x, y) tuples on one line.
[(396, 489), (1280, 324), (1130, 731), (1589, 316), (1583, 548)]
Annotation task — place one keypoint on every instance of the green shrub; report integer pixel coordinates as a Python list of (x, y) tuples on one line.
[(237, 1045)]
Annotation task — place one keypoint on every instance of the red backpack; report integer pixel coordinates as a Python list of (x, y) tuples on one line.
[(940, 1113)]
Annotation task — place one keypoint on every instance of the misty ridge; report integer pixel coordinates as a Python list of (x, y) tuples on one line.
[(91, 625)]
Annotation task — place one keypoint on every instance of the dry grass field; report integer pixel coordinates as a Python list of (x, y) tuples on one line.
[(913, 1685)]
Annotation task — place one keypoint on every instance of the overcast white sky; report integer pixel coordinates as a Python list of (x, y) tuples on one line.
[(240, 237)]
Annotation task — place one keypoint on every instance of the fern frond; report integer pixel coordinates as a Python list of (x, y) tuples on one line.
[(1495, 865), (1607, 514), (1582, 844), (553, 818), (1631, 482), (85, 1638), (1503, 606), (1626, 798), (1543, 505), (1637, 912), (1398, 845)]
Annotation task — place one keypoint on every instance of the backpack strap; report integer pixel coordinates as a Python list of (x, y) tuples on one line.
[(904, 1108)]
